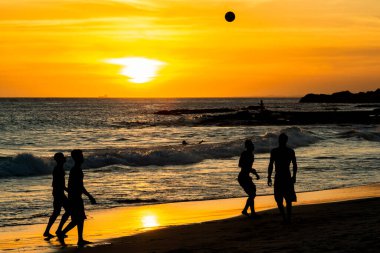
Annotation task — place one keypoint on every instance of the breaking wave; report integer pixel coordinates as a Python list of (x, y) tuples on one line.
[(24, 165), (29, 165), (361, 134)]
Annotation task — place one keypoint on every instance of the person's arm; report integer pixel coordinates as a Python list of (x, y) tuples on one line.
[(90, 197), (66, 189), (254, 172), (294, 161), (270, 169)]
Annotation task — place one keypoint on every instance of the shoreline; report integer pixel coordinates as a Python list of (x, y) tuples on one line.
[(107, 224), (141, 203), (335, 227)]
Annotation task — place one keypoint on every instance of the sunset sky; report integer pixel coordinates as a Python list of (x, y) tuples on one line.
[(177, 48)]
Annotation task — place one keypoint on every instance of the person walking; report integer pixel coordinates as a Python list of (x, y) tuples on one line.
[(281, 157), (246, 182), (76, 189), (60, 199)]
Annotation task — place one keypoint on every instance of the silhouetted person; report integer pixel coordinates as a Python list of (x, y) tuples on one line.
[(262, 106), (245, 181), (60, 199), (76, 189), (185, 143), (281, 157)]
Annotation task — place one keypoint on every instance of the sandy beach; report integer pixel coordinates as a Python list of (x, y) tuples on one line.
[(350, 226), (344, 226), (214, 225)]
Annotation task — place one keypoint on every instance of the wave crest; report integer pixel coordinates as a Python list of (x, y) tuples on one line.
[(29, 165), (24, 165), (360, 134)]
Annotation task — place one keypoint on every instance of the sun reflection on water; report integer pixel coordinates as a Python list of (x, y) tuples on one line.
[(149, 221)]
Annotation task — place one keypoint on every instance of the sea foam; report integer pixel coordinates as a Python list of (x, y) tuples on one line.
[(29, 165)]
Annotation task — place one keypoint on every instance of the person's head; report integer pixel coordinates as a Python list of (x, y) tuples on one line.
[(249, 145), (59, 158), (77, 156), (282, 140)]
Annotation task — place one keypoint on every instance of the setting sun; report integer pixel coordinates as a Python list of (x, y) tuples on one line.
[(138, 69)]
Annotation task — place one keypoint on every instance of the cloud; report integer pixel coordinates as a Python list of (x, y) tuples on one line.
[(67, 9)]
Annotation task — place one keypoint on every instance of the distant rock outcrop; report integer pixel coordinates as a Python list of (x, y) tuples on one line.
[(343, 97)]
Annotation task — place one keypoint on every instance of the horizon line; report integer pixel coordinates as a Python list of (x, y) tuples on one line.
[(106, 97)]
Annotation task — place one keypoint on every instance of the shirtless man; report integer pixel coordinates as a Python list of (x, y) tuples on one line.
[(281, 157), (76, 189)]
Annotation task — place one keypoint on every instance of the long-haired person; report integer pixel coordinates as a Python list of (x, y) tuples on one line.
[(245, 180)]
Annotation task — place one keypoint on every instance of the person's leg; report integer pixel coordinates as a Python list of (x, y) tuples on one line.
[(279, 197), (81, 241), (289, 210), (53, 217), (280, 206), (64, 218), (252, 196), (61, 235), (70, 226), (247, 204), (80, 230), (252, 205)]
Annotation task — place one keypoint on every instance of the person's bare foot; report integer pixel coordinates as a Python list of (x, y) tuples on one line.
[(245, 213), (82, 243), (48, 235), (61, 238), (255, 216), (59, 233)]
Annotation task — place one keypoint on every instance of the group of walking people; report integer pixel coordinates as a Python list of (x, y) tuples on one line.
[(73, 204), (280, 157)]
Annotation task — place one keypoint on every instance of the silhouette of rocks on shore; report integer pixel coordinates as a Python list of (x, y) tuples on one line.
[(292, 117), (343, 97), (260, 115)]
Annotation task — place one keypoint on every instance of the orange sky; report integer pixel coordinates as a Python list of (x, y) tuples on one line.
[(283, 48)]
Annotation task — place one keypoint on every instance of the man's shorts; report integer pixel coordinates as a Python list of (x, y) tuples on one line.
[(284, 189), (248, 186), (60, 200), (77, 209)]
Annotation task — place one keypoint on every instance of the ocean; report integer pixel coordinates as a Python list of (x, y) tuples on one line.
[(136, 157)]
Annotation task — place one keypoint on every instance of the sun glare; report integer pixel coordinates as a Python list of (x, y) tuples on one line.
[(138, 69), (149, 221)]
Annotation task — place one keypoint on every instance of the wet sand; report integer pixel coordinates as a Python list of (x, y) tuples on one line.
[(154, 228), (350, 226)]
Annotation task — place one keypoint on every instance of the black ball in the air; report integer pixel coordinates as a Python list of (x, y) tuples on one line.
[(230, 16)]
